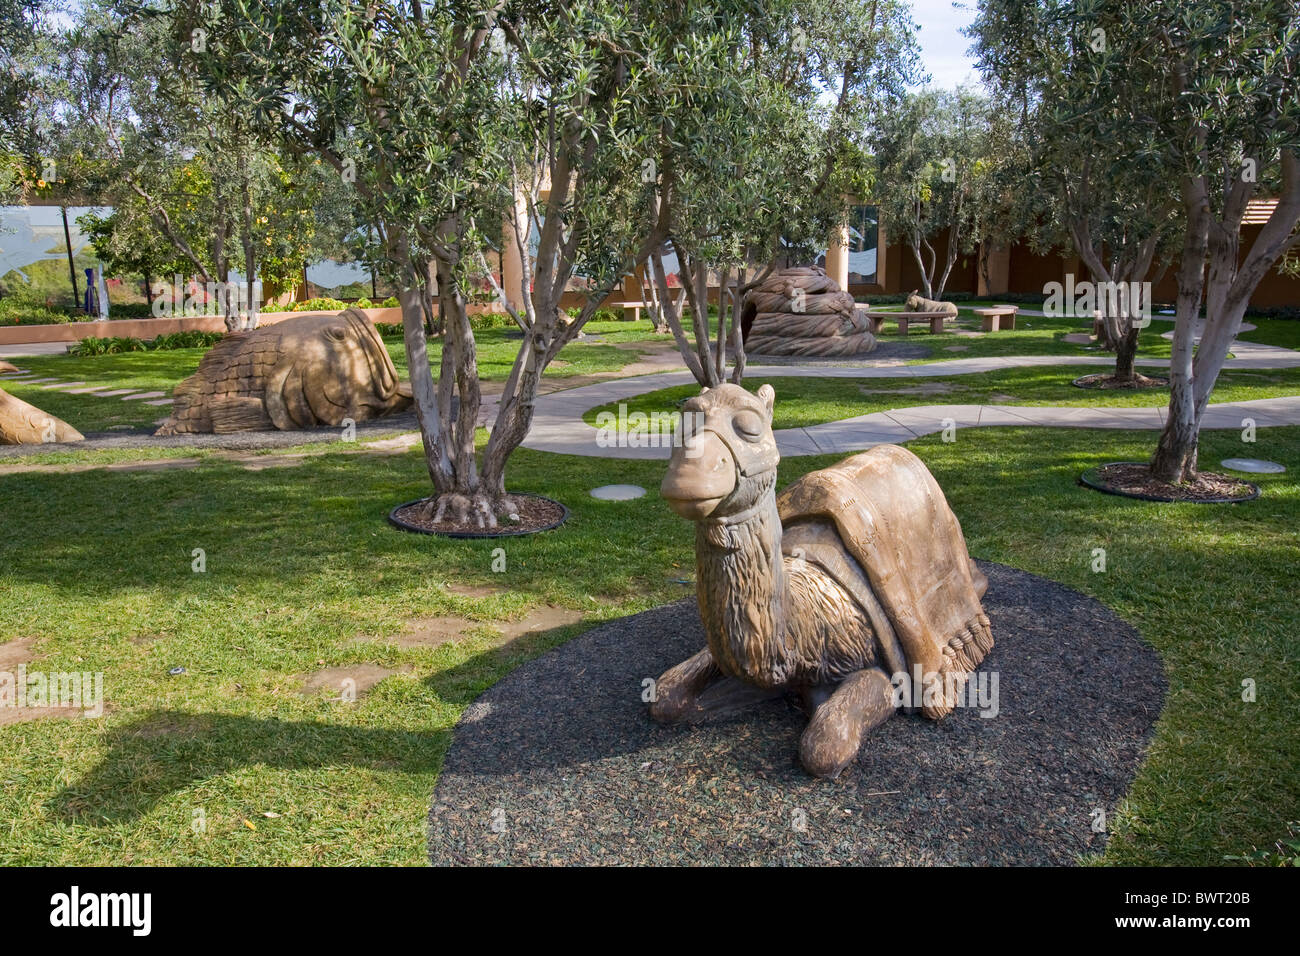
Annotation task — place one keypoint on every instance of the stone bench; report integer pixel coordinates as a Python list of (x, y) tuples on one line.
[(997, 317), (933, 319), (635, 309)]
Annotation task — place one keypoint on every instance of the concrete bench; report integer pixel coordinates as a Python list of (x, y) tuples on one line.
[(934, 319), (635, 309), (997, 317)]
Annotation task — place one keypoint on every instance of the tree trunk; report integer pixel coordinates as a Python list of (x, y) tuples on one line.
[(1175, 457), (1125, 353)]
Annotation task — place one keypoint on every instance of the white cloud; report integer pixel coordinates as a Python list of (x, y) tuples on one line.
[(943, 48)]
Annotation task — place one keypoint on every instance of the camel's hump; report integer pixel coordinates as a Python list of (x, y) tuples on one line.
[(895, 521)]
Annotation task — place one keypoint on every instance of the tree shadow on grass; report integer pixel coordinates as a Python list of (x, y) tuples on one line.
[(167, 751)]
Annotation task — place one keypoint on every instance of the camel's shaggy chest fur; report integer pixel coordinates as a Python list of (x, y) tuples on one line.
[(783, 621)]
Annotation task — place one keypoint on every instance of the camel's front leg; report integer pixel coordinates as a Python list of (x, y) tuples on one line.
[(863, 701), (677, 691)]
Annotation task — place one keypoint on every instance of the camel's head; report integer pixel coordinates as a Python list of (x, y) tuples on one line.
[(727, 458), (913, 302)]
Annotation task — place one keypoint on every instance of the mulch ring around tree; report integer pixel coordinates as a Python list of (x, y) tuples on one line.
[(533, 513), (1133, 479), (560, 763), (1107, 381)]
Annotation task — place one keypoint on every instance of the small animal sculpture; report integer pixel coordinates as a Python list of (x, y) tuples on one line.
[(300, 373), (919, 303), (24, 424), (803, 312), (852, 588)]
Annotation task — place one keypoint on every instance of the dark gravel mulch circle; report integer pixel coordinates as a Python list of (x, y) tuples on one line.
[(535, 513), (560, 764), (1105, 381), (1132, 479)]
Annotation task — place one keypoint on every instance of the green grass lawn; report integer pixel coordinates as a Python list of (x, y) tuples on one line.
[(300, 566), (498, 347), (810, 401)]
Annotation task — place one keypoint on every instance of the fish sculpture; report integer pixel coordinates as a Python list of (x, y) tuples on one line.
[(24, 424), (304, 372)]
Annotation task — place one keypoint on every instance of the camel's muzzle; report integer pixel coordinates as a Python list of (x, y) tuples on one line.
[(701, 474)]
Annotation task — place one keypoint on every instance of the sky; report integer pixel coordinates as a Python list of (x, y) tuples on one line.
[(943, 49)]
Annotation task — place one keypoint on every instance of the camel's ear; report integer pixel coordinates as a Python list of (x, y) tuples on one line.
[(704, 389), (767, 394)]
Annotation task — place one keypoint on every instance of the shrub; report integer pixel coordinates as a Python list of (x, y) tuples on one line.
[(389, 330), (320, 305), (389, 303), (16, 312), (117, 345)]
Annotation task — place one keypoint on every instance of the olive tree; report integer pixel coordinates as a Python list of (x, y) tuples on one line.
[(450, 120), (932, 154), (1196, 108), (766, 151), (1226, 87), (1089, 148), (146, 137)]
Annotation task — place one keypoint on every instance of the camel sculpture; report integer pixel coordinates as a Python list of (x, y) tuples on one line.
[(302, 372), (854, 575), (919, 303), (803, 311)]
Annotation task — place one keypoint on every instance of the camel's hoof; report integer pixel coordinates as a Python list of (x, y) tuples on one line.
[(827, 756), (834, 736)]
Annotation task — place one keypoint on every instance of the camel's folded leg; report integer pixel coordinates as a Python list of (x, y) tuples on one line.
[(863, 701), (678, 689), (978, 579)]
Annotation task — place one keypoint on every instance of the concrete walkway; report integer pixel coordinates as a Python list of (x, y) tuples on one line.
[(558, 426)]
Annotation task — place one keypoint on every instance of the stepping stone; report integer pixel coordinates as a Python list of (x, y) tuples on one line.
[(63, 385), (118, 391), (89, 391), (38, 381), (956, 348), (1077, 338), (160, 401), (132, 398), (1254, 466), (617, 492)]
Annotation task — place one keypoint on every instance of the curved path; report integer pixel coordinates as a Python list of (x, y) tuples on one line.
[(558, 426)]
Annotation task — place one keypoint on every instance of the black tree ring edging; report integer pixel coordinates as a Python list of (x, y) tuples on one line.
[(403, 525), (1090, 479)]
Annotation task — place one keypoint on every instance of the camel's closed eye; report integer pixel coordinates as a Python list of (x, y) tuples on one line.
[(748, 424)]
